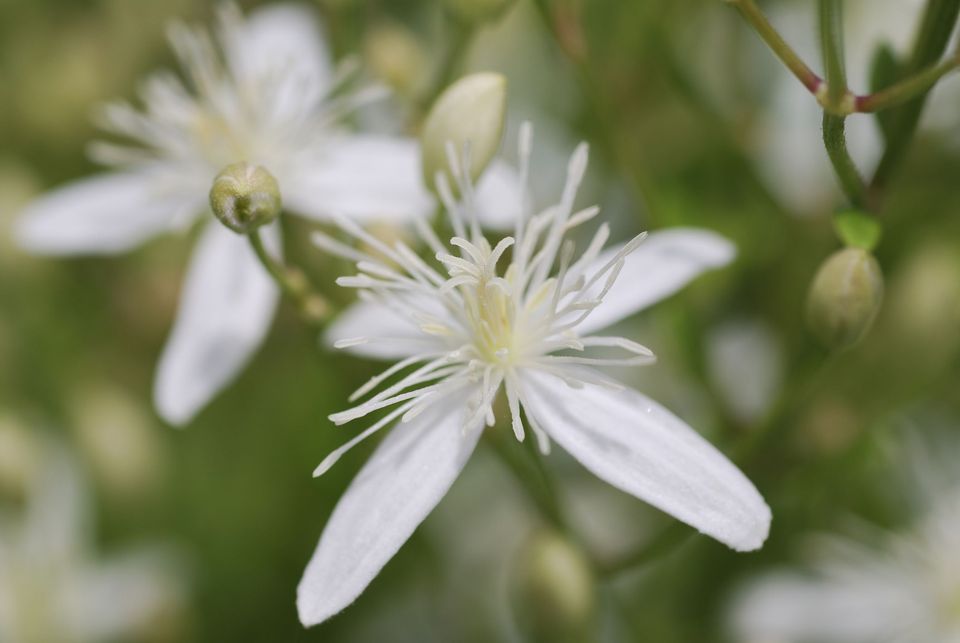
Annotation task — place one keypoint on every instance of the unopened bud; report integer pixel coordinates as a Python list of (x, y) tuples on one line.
[(245, 197), (844, 297), (478, 11), (469, 114), (396, 56), (555, 589)]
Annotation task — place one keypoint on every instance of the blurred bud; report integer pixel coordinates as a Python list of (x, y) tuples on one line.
[(555, 589), (245, 197), (470, 112), (477, 11), (844, 297), (396, 56), (118, 440)]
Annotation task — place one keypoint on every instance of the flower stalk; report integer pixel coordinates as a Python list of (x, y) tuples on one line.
[(294, 284)]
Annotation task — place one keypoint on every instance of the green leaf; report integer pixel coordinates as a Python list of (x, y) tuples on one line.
[(857, 229), (885, 70)]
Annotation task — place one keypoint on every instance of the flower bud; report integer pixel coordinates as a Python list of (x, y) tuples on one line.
[(844, 297), (396, 56), (478, 11), (245, 197), (471, 112), (554, 589)]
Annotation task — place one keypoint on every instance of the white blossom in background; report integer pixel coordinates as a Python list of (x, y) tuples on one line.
[(873, 587), (51, 586), (260, 90), (745, 364), (462, 330)]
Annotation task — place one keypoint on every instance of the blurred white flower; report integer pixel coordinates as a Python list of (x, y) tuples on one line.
[(886, 587), (51, 589), (263, 92), (463, 330)]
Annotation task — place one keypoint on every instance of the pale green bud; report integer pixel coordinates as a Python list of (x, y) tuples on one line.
[(245, 197), (478, 11), (554, 589), (396, 56), (470, 112), (844, 297)]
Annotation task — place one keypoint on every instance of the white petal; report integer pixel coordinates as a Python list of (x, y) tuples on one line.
[(105, 214), (364, 177), (403, 481), (392, 335), (791, 607), (664, 263), (636, 445), (501, 197), (227, 303), (280, 47)]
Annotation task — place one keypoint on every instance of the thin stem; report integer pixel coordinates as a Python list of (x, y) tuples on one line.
[(755, 17), (670, 538), (907, 89), (292, 282), (533, 478), (831, 40), (939, 19), (835, 142), (834, 134)]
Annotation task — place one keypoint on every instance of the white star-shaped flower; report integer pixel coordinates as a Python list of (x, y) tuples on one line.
[(53, 589), (262, 91), (877, 586), (464, 329)]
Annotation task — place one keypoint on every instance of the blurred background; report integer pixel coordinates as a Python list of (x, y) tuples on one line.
[(691, 121)]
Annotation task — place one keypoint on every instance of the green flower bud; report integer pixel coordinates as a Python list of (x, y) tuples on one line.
[(245, 197), (477, 11), (554, 589), (844, 297), (396, 56), (470, 112)]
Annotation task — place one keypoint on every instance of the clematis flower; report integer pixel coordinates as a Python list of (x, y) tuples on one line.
[(465, 329), (262, 91), (51, 586), (874, 585)]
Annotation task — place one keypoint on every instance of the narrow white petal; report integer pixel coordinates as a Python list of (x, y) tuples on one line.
[(280, 45), (105, 214), (661, 265), (791, 607), (636, 445), (403, 481), (388, 334), (500, 197), (226, 306), (363, 177)]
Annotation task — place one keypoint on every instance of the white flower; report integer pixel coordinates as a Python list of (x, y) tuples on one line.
[(262, 92), (882, 587), (467, 330), (51, 589)]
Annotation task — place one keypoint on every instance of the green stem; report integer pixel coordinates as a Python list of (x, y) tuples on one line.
[(532, 476), (937, 24), (835, 142), (834, 135), (755, 17), (292, 282), (665, 542), (907, 89)]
